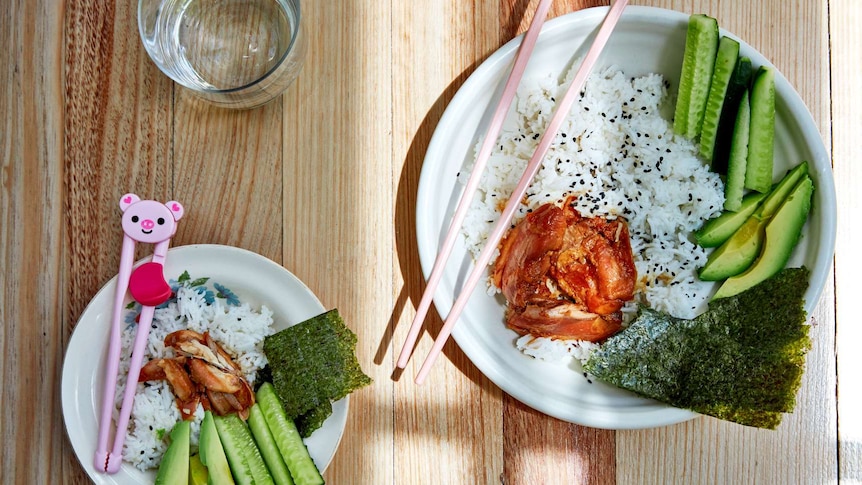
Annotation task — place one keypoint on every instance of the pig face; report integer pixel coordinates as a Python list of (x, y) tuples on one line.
[(149, 221)]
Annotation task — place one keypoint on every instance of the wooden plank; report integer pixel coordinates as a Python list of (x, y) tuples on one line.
[(541, 449), (31, 241), (227, 171), (338, 212), (803, 449), (536, 446), (117, 137), (448, 430), (116, 140), (846, 56)]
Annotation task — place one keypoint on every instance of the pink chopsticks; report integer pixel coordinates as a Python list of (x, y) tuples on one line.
[(535, 162), (145, 221), (518, 69)]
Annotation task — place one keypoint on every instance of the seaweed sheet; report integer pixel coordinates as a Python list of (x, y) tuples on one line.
[(311, 364), (313, 419), (741, 360)]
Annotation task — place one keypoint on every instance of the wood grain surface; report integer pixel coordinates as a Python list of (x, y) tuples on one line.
[(323, 181)]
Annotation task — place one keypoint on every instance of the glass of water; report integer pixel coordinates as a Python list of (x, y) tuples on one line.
[(233, 53)]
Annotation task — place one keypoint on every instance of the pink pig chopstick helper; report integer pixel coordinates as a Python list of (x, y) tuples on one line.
[(146, 221)]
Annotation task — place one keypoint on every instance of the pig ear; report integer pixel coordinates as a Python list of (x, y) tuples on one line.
[(127, 200), (176, 209)]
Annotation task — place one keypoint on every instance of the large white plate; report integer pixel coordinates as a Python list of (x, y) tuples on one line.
[(646, 40), (255, 279)]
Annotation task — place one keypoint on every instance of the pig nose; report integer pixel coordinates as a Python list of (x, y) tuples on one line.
[(147, 224)]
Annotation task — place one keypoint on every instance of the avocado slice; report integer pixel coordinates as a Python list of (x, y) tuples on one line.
[(197, 471), (738, 253), (717, 230), (174, 468), (782, 234), (212, 454)]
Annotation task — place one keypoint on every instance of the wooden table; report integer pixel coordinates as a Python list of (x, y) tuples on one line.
[(324, 181)]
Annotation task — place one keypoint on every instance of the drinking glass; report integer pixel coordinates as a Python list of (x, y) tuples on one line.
[(232, 53)]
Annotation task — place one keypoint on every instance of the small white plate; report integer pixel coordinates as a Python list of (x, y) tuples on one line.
[(255, 279), (646, 40)]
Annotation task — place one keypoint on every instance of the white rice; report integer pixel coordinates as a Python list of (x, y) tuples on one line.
[(620, 158), (238, 329)]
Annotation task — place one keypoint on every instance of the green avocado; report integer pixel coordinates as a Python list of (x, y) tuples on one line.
[(715, 231), (197, 471), (174, 469), (782, 234), (738, 253), (212, 454)]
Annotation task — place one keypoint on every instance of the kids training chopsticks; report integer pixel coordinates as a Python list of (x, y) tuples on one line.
[(146, 221)]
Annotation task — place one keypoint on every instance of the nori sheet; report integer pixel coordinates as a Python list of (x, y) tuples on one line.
[(313, 419), (741, 360), (313, 363)]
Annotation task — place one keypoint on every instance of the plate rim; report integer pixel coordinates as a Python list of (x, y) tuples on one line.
[(68, 403), (504, 55)]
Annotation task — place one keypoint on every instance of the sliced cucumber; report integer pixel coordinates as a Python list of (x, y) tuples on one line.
[(738, 84), (293, 450), (246, 464), (717, 230), (758, 172), (735, 184), (268, 448), (701, 44), (725, 63)]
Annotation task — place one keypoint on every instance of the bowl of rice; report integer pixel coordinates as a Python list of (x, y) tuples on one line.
[(615, 155), (239, 297)]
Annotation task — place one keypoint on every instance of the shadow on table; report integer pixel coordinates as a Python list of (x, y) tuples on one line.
[(406, 244)]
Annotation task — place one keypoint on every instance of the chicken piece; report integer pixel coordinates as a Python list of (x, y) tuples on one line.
[(564, 321), (205, 400), (151, 371), (566, 276), (527, 254), (174, 338), (198, 350), (189, 407), (595, 266), (219, 402), (203, 373), (224, 359), (178, 378), (245, 395), (213, 378)]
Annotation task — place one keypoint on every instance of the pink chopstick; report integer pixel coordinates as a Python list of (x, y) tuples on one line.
[(511, 87), (547, 138), (144, 221)]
